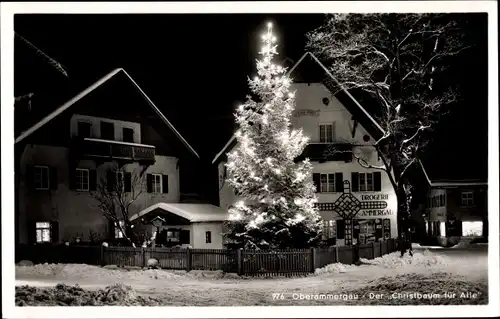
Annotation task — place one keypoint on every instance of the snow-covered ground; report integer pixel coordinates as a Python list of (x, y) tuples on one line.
[(427, 272)]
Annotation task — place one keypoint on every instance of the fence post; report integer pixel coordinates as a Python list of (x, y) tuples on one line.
[(189, 260), (240, 261), (337, 254), (102, 256), (313, 259), (143, 256)]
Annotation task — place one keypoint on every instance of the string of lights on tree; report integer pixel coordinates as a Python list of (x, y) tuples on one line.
[(278, 207)]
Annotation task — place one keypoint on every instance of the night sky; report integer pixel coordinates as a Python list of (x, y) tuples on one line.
[(194, 68)]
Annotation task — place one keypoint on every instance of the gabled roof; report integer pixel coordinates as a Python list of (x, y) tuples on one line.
[(90, 89), (346, 98), (192, 212), (451, 182)]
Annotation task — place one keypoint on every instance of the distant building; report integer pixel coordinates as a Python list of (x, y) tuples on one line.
[(455, 209), (64, 156), (355, 203)]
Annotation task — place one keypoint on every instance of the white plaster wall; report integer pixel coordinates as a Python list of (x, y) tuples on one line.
[(96, 127), (198, 233), (77, 212)]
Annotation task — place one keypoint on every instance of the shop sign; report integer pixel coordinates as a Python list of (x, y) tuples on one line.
[(375, 197), (375, 212), (299, 113)]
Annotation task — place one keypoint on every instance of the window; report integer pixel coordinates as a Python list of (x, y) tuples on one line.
[(157, 183), (208, 237), (326, 133), (128, 135), (366, 182), (118, 232), (107, 131), (467, 198), (82, 179), (84, 129), (327, 183), (173, 235), (41, 177), (329, 229), (119, 180), (472, 228), (43, 232)]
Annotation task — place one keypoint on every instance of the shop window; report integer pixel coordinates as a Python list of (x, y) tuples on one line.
[(329, 229), (472, 228), (442, 229)]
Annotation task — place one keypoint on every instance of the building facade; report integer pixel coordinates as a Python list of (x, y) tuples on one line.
[(456, 211), (110, 136), (356, 204)]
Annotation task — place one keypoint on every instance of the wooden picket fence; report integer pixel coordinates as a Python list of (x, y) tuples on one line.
[(286, 262)]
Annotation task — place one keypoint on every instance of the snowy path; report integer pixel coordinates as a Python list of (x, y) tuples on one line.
[(197, 288)]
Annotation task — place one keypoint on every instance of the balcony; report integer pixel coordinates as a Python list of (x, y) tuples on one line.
[(327, 152), (114, 150)]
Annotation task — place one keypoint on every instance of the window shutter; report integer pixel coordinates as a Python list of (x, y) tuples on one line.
[(149, 181), (72, 178), (354, 182), (54, 231), (164, 184), (339, 183), (53, 178), (92, 180), (184, 236), (30, 177), (110, 180), (127, 181), (377, 180), (31, 232), (317, 181)]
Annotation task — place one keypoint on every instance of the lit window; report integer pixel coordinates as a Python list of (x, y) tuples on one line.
[(41, 177), (326, 133), (467, 198), (327, 183), (118, 232), (442, 229), (43, 233), (329, 229), (472, 228), (366, 182), (157, 183), (82, 179), (173, 236)]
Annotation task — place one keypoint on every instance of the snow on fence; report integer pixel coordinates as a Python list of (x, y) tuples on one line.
[(285, 262)]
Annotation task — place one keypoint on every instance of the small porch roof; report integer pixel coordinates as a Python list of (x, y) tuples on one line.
[(192, 212)]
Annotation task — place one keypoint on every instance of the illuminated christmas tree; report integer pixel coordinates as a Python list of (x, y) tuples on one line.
[(278, 210)]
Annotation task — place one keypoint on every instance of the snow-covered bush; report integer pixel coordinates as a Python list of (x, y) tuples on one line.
[(153, 263), (25, 263)]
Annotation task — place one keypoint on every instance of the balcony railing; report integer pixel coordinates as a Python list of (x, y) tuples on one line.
[(98, 148), (327, 152)]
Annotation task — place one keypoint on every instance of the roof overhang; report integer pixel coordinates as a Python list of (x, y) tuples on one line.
[(90, 89)]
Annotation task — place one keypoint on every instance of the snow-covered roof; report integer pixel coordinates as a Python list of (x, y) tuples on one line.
[(192, 212), (367, 115), (87, 91), (452, 183)]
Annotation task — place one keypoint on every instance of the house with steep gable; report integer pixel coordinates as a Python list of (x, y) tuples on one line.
[(355, 203), (66, 155)]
